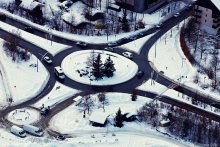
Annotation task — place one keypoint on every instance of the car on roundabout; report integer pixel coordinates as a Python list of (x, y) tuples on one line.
[(48, 60), (111, 49), (80, 43), (128, 55)]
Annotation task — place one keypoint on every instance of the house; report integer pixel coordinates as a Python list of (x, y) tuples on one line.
[(207, 14), (141, 5), (33, 8), (98, 119)]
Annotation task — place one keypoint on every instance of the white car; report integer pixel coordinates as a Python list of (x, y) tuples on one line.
[(111, 49), (128, 55), (111, 44), (47, 60), (159, 25), (80, 43), (59, 72), (177, 14)]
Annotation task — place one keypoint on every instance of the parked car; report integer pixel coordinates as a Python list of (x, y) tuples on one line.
[(128, 55), (132, 38), (159, 25), (61, 137), (29, 29), (177, 14), (123, 40), (112, 44), (44, 111), (2, 17), (18, 131), (80, 43), (47, 60), (111, 49), (140, 34), (140, 74), (33, 130), (59, 72)]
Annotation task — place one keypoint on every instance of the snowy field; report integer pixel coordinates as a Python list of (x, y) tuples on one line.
[(23, 80), (58, 94), (136, 45), (46, 44), (171, 60), (125, 68)]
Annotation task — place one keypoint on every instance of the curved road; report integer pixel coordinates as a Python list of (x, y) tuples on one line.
[(126, 87)]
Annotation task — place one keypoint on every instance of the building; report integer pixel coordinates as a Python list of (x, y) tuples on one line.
[(98, 119), (141, 5), (207, 14), (136, 5)]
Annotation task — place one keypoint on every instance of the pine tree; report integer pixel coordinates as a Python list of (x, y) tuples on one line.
[(98, 68), (109, 67), (102, 100), (118, 119), (134, 96)]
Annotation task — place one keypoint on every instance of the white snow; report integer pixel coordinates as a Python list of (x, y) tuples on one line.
[(171, 60), (58, 94), (98, 117), (24, 81), (125, 68), (136, 45), (216, 3), (23, 116), (46, 44)]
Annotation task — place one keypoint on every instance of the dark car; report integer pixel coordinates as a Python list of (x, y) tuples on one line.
[(44, 111), (29, 29), (140, 74), (61, 137), (80, 43), (2, 17)]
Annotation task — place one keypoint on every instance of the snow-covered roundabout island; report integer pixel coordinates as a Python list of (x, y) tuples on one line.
[(76, 68), (23, 116)]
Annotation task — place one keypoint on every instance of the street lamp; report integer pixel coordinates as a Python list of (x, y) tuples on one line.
[(183, 60)]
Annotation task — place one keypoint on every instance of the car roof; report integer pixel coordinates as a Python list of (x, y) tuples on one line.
[(58, 68)]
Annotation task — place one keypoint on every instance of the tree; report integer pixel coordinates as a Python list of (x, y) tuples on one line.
[(102, 100), (98, 67), (87, 104), (134, 96), (109, 67), (118, 119), (125, 25)]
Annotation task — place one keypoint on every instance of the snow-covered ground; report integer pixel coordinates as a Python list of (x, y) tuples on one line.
[(46, 44), (23, 116), (136, 45), (166, 55), (125, 68), (58, 94), (23, 80)]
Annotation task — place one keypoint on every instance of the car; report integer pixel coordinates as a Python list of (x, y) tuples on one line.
[(111, 49), (177, 14), (29, 29), (48, 60), (128, 55), (123, 40), (132, 38), (159, 25), (140, 74), (80, 43), (140, 34), (112, 44), (44, 111), (59, 72), (61, 137)]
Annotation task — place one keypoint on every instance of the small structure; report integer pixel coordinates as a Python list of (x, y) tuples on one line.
[(98, 119), (129, 117), (78, 100), (164, 123)]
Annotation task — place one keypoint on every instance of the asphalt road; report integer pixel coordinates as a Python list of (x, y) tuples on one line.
[(126, 87)]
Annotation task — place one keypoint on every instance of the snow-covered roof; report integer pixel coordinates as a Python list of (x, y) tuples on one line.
[(30, 4), (98, 117), (216, 3), (163, 122)]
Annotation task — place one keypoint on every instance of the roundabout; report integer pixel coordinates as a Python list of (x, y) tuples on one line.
[(23, 116), (75, 66)]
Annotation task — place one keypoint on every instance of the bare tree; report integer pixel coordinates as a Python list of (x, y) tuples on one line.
[(103, 100), (87, 104)]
